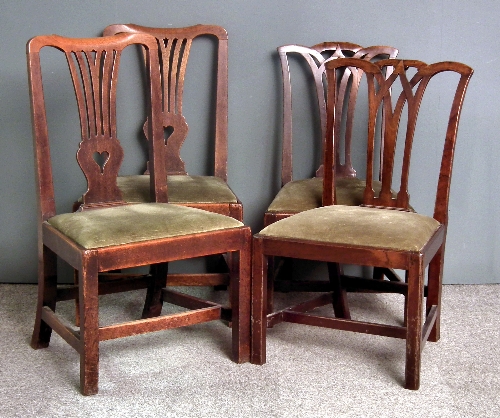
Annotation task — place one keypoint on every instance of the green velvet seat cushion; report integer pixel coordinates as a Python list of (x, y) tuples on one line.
[(137, 222), (181, 189), (357, 226), (300, 195)]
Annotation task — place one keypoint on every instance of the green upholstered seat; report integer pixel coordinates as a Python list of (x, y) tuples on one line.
[(300, 195), (181, 189), (137, 222), (357, 226)]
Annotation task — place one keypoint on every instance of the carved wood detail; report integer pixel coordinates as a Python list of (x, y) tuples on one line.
[(174, 46), (174, 55), (316, 57), (100, 154)]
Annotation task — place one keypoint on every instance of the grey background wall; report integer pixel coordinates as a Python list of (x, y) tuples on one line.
[(429, 30)]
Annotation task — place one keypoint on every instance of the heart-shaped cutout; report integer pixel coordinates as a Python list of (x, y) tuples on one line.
[(101, 158)]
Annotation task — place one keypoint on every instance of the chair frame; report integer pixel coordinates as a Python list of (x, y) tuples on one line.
[(103, 193), (415, 330)]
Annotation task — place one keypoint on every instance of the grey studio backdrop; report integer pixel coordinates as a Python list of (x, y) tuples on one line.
[(429, 30)]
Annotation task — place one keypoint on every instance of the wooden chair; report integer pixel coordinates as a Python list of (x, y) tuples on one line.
[(208, 192), (106, 233), (383, 232), (297, 195)]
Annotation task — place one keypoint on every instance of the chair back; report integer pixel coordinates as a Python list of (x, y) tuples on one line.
[(174, 46), (393, 99), (94, 67), (316, 57)]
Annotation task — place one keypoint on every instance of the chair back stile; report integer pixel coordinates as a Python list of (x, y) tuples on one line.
[(41, 146), (444, 181)]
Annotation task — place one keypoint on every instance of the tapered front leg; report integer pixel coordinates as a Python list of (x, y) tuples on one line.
[(47, 294), (259, 303), (414, 323), (89, 324)]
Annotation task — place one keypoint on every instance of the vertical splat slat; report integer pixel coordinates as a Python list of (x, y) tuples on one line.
[(373, 105), (348, 170), (94, 63), (173, 77), (106, 90), (86, 78), (389, 140), (175, 55), (182, 73), (166, 48), (112, 71), (80, 95), (413, 101)]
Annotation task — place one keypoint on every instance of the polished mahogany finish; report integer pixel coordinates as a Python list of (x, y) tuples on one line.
[(400, 95), (174, 47), (94, 67)]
